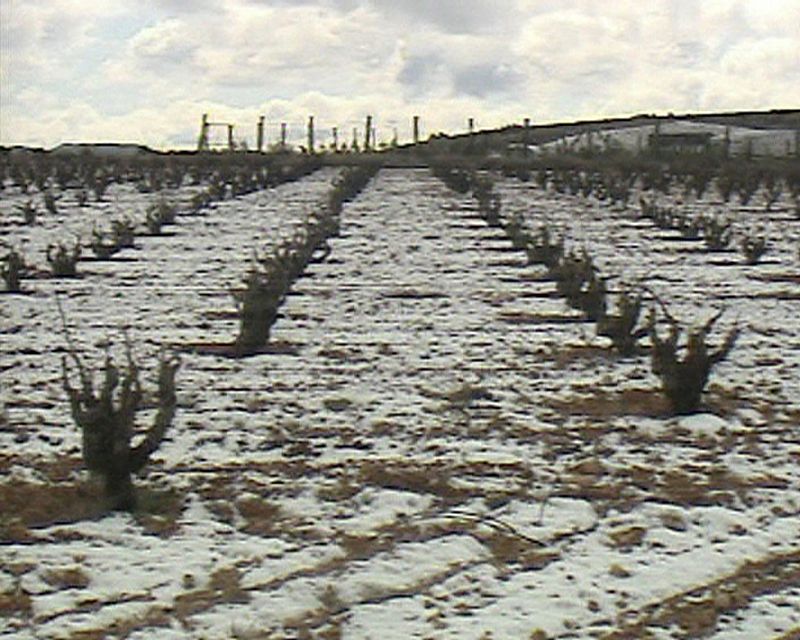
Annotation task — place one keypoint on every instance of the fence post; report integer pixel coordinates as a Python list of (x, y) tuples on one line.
[(526, 136), (727, 142), (283, 136), (230, 138), (311, 135), (367, 133), (260, 134), (202, 142)]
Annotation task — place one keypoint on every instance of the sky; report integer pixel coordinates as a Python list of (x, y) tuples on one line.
[(146, 70)]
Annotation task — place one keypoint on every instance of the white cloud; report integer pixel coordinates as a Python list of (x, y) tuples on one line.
[(770, 57), (569, 44), (161, 42)]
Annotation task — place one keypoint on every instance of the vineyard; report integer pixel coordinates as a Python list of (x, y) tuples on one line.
[(446, 402)]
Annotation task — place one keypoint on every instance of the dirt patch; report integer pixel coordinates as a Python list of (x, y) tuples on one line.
[(777, 295), (509, 549), (228, 349), (465, 395), (25, 506), (224, 587), (626, 538), (524, 317), (415, 478), (158, 510), (413, 294), (789, 278), (15, 603), (337, 405), (342, 489), (58, 469), (66, 578), (602, 404), (260, 516), (342, 354), (567, 356), (697, 611)]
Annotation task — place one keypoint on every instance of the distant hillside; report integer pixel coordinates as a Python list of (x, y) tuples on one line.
[(97, 149), (500, 139), (777, 119), (101, 149)]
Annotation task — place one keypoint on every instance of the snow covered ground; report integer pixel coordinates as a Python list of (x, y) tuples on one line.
[(440, 449)]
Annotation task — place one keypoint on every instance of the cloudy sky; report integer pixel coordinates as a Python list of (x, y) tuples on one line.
[(145, 70)]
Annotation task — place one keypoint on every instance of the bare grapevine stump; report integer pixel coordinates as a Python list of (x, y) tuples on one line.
[(107, 421), (683, 377)]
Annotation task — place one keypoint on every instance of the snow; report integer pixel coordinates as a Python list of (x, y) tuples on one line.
[(428, 468), (703, 424)]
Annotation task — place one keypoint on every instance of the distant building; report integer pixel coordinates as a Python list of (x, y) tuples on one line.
[(676, 143)]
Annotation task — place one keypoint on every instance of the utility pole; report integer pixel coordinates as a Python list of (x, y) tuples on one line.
[(230, 138), (416, 129), (336, 139), (283, 136)]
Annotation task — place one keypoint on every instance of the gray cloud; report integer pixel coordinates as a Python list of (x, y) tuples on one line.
[(450, 16), (423, 74), (485, 80)]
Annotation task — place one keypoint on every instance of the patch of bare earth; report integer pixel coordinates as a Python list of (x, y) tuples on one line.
[(697, 611), (26, 506)]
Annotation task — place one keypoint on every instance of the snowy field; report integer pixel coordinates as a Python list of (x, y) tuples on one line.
[(440, 448)]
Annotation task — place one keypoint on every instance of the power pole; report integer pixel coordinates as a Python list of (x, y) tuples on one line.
[(416, 129), (311, 135)]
